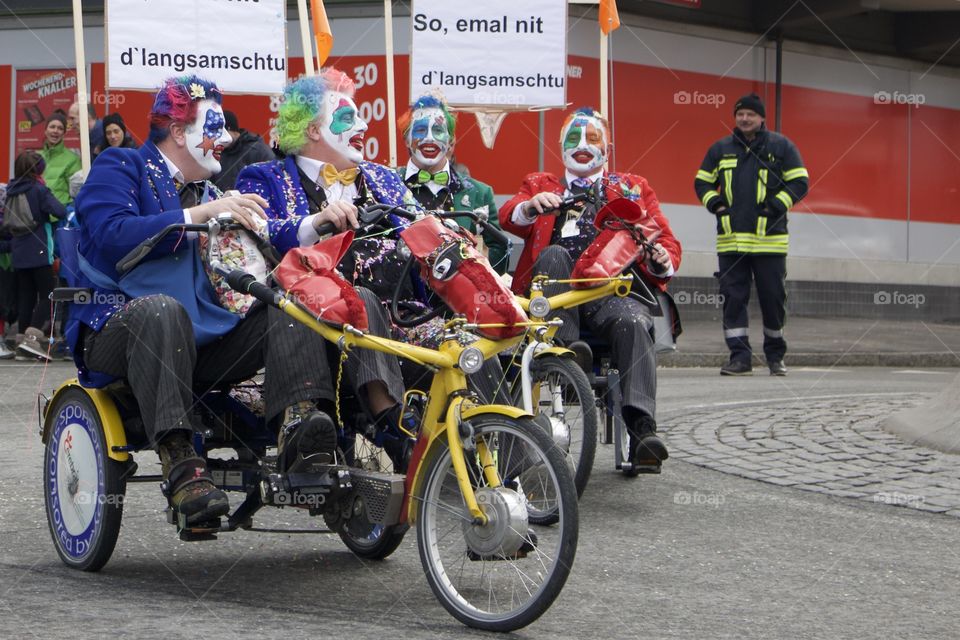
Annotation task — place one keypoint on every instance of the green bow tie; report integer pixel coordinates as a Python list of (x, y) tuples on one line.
[(441, 177)]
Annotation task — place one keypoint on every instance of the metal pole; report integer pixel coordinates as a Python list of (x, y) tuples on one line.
[(779, 81), (391, 90), (604, 98), (542, 120), (308, 67), (82, 96)]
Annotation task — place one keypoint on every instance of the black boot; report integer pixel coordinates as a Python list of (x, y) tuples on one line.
[(647, 450), (307, 440), (187, 483), (396, 442)]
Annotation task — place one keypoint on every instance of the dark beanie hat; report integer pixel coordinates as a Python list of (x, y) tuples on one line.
[(753, 102), (230, 121), (114, 118), (59, 117)]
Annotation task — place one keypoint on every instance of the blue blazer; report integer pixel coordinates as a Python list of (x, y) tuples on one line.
[(128, 197), (278, 182)]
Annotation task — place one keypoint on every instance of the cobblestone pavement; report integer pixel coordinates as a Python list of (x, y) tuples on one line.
[(832, 445)]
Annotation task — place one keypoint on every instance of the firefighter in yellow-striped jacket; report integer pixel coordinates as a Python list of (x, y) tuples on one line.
[(749, 180)]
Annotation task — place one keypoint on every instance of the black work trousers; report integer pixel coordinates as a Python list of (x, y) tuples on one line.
[(737, 272)]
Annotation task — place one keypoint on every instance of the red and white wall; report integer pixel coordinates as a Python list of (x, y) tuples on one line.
[(884, 204)]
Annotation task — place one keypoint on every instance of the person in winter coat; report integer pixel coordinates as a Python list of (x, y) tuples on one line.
[(115, 134), (32, 253), (61, 162), (246, 149)]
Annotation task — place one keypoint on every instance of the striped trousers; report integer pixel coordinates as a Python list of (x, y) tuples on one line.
[(625, 323), (150, 343)]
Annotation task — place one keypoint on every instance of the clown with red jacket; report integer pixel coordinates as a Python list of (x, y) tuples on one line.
[(552, 245)]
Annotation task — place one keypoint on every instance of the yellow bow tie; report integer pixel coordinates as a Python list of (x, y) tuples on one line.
[(329, 175)]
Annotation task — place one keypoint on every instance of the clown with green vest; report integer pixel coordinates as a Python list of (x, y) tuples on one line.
[(429, 129)]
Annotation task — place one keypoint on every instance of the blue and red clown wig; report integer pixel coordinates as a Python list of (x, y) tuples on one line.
[(176, 103), (303, 104), (405, 121)]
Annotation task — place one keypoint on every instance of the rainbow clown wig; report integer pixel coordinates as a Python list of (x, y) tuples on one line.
[(428, 102), (589, 112), (303, 104), (176, 103)]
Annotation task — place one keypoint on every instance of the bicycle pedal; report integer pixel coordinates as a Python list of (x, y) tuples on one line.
[(201, 531), (636, 469), (521, 553)]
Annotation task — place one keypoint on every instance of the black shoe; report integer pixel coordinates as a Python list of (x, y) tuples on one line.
[(187, 483), (647, 450), (309, 440), (396, 442), (583, 354), (737, 368), (777, 368)]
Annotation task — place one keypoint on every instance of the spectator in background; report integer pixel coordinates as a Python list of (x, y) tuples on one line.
[(115, 134), (8, 286), (246, 149), (61, 162), (96, 126), (32, 253)]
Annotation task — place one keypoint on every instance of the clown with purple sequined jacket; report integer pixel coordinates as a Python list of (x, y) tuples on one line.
[(318, 126)]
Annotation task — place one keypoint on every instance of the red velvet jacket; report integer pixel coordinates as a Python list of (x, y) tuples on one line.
[(537, 236)]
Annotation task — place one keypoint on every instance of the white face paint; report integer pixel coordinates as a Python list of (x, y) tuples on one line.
[(207, 136), (342, 126), (584, 144), (428, 139)]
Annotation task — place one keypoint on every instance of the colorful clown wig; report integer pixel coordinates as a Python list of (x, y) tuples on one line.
[(428, 102), (591, 113), (176, 103), (302, 104)]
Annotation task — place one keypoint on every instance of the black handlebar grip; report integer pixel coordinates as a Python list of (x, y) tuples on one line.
[(245, 283), (133, 258), (325, 228)]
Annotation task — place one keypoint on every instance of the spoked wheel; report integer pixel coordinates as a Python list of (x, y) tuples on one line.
[(504, 574), (369, 540), (83, 488), (562, 393)]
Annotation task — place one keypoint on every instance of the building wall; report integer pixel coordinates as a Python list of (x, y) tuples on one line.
[(883, 204)]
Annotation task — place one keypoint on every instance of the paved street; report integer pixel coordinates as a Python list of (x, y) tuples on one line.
[(715, 547)]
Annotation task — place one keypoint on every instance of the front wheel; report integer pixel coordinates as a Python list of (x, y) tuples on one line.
[(504, 574), (83, 488)]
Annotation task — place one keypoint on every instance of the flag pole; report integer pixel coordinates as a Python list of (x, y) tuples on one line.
[(308, 67), (391, 90), (82, 97)]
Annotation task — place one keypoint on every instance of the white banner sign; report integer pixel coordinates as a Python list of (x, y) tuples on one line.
[(238, 44), (495, 54)]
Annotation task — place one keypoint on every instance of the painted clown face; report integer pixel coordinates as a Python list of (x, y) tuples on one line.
[(584, 145), (207, 137), (343, 129), (428, 139)]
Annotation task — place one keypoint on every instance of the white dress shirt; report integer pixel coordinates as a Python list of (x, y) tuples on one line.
[(307, 233), (435, 188)]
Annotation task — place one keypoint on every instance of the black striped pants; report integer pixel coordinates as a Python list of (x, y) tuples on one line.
[(150, 343), (625, 323)]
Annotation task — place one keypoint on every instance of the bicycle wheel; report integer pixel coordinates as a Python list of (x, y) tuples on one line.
[(563, 394), (83, 488), (369, 540), (505, 574)]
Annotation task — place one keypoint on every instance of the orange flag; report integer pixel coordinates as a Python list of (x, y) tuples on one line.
[(321, 31), (609, 17)]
